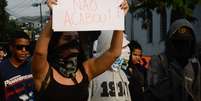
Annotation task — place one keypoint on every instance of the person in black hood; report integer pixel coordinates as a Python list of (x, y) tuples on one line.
[(180, 43), (175, 74)]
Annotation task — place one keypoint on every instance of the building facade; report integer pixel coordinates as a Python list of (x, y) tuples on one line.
[(152, 38)]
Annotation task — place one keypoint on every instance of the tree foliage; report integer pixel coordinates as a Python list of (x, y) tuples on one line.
[(3, 17), (182, 8), (7, 27), (10, 29)]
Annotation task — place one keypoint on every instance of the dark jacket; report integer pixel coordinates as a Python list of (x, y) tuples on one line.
[(170, 81)]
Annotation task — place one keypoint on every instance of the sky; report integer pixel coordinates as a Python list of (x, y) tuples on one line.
[(23, 8)]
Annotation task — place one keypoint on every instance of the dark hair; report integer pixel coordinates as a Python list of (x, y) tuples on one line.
[(54, 41), (89, 35), (1, 48), (87, 39), (18, 35), (134, 45), (53, 46)]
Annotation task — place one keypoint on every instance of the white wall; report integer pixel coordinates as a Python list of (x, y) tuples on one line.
[(135, 31), (141, 35), (197, 23)]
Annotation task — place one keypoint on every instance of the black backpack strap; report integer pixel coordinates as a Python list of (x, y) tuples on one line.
[(46, 81), (195, 66), (44, 84)]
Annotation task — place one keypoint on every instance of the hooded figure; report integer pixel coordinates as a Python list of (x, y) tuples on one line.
[(180, 43), (175, 74)]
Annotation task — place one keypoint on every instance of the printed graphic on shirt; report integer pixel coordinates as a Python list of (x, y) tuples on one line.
[(19, 87), (119, 63), (12, 81), (108, 89), (110, 86)]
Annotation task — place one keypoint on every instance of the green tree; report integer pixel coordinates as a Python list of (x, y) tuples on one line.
[(180, 8), (11, 27), (3, 17)]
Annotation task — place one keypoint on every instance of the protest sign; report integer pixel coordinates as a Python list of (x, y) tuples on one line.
[(85, 15)]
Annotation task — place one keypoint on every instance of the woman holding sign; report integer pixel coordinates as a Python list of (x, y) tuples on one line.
[(59, 69)]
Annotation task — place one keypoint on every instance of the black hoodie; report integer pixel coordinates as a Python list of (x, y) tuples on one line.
[(168, 79), (178, 50)]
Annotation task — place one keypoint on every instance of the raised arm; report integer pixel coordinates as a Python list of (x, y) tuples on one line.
[(96, 66), (39, 62)]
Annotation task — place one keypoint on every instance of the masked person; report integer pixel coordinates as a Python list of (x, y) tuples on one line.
[(61, 72), (175, 74)]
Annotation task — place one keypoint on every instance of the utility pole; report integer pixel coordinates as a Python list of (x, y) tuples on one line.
[(41, 15)]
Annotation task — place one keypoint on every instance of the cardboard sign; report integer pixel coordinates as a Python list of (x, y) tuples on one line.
[(86, 15)]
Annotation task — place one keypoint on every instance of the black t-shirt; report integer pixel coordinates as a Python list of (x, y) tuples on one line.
[(59, 92)]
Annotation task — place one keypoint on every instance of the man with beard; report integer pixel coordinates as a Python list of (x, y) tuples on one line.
[(60, 70), (175, 74), (16, 81)]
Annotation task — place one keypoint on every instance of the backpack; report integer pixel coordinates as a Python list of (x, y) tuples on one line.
[(165, 83)]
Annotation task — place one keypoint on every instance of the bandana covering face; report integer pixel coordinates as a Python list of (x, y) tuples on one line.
[(68, 67), (65, 62), (182, 42)]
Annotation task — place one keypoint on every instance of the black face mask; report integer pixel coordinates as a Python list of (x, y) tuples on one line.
[(68, 67), (65, 63), (182, 49)]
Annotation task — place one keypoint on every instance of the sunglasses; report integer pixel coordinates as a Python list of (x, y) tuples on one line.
[(20, 47)]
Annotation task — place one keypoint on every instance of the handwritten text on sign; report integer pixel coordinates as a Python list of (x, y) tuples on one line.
[(77, 15)]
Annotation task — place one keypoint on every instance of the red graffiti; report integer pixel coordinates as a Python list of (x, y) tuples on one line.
[(86, 12), (67, 19), (85, 5)]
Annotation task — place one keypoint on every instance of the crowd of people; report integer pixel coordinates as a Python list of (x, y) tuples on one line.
[(63, 66)]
